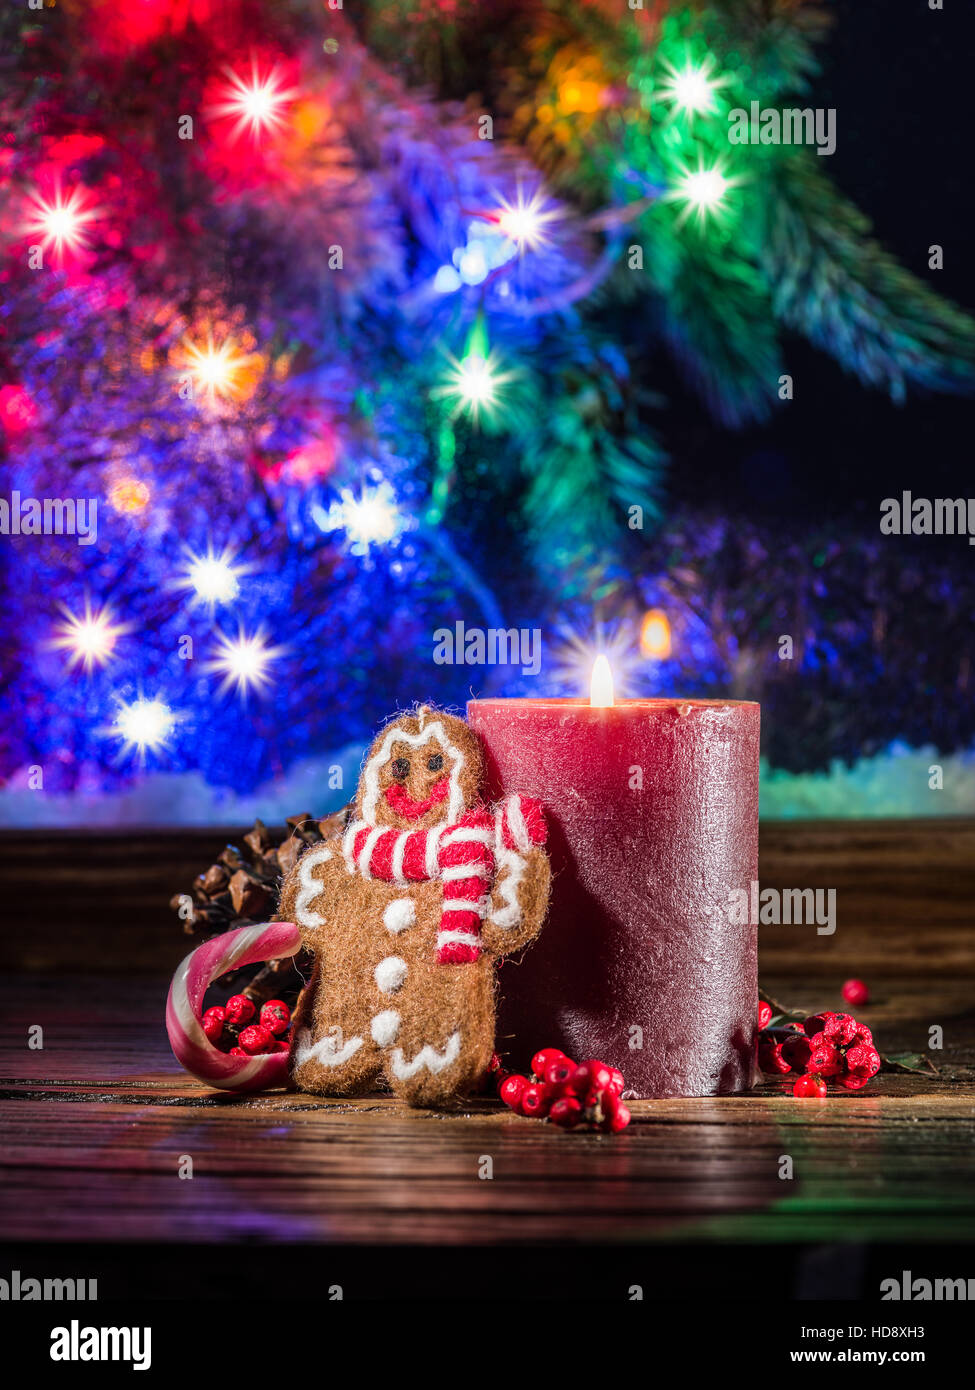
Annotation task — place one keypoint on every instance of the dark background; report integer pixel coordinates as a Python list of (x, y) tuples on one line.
[(901, 79)]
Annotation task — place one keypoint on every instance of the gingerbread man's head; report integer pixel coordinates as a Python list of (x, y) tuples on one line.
[(423, 769)]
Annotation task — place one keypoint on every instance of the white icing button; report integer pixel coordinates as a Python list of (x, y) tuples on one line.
[(390, 974), (385, 1027), (400, 914)]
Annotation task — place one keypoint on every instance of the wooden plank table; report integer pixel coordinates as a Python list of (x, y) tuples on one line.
[(97, 1124)]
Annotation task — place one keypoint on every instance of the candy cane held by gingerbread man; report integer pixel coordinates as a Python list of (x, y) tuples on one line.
[(406, 914)]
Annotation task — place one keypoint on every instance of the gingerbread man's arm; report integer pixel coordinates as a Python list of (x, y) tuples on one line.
[(519, 901), (519, 895), (302, 900)]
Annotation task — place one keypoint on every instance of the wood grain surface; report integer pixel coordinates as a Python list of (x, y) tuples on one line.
[(96, 1125), (905, 894)]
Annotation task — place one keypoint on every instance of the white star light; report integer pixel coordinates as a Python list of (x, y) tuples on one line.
[(524, 220), (243, 662), (144, 725), (475, 384), (705, 188), (371, 518), (703, 191), (213, 578), (258, 102), (216, 369), (60, 221), (691, 88), (90, 638)]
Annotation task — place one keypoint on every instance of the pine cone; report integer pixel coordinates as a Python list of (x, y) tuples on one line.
[(243, 886)]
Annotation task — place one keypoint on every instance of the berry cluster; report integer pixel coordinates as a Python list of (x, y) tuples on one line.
[(827, 1046), (584, 1095), (230, 1026)]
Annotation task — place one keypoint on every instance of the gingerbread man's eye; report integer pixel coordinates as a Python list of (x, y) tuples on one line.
[(435, 763), (400, 769)]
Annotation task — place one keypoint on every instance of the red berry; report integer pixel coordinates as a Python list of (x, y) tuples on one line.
[(821, 1023), (566, 1112), (276, 1016), (855, 992), (618, 1121), (863, 1060), (237, 1052), (496, 1066), (254, 1039), (770, 1058), (558, 1074), (536, 1099), (511, 1090), (853, 1082), (824, 1058), (764, 1014), (543, 1060), (795, 1050), (590, 1076), (281, 1046), (239, 1009), (618, 1083), (213, 1023), (841, 1030), (809, 1087)]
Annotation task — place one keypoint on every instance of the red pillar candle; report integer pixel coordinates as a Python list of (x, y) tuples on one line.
[(653, 814)]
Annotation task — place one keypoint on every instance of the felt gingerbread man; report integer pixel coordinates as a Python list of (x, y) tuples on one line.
[(406, 913)]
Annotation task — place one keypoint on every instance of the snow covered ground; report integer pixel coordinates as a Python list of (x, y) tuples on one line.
[(895, 783)]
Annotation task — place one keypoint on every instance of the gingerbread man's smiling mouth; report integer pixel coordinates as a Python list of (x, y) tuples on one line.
[(404, 805)]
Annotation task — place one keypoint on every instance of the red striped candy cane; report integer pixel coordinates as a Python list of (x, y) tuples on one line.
[(193, 1049)]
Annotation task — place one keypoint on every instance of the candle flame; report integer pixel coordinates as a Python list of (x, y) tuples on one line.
[(601, 689)]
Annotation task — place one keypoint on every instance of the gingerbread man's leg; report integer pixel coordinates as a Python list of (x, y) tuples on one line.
[(439, 1040), (334, 1053)]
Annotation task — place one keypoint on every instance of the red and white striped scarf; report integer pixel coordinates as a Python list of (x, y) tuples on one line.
[(463, 855)]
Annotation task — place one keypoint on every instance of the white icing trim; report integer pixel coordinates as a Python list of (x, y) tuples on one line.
[(428, 1057), (397, 734), (310, 887), (325, 1051), (516, 823), (509, 914), (465, 871)]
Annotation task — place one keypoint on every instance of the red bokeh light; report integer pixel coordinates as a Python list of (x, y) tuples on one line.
[(17, 410)]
